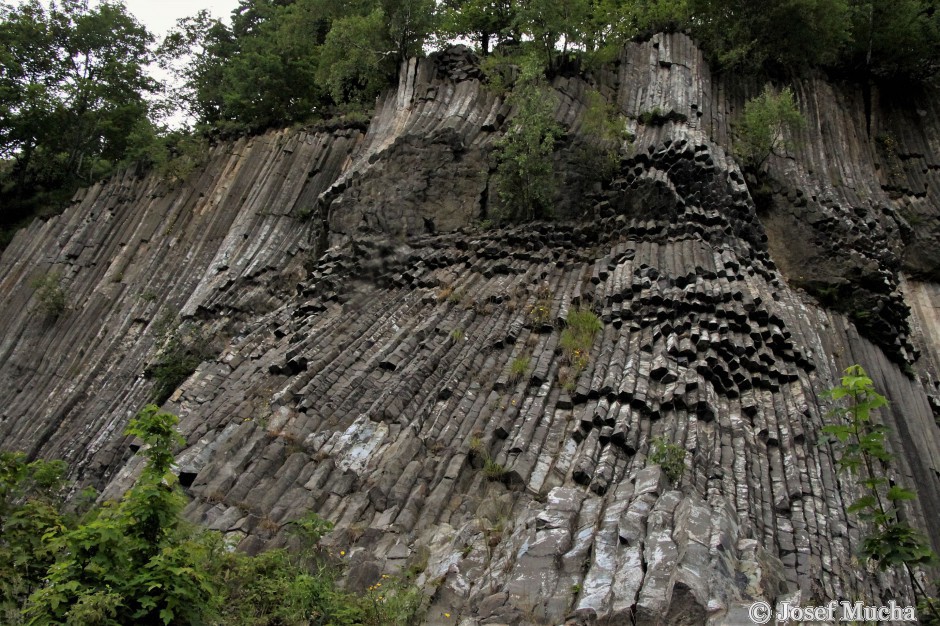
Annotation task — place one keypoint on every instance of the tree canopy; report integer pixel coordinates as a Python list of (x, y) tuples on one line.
[(76, 101), (73, 95)]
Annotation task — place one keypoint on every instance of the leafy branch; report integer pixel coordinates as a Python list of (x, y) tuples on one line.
[(892, 542)]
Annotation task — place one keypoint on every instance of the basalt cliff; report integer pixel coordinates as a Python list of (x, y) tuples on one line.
[(363, 337)]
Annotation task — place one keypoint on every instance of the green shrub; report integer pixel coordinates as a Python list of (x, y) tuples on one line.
[(604, 128), (584, 323), (525, 174), (173, 156), (138, 562), (578, 337), (670, 457), (310, 528), (764, 126), (184, 348), (392, 601), (50, 294), (891, 543), (653, 116), (493, 470), (540, 312), (275, 588), (133, 562), (30, 518)]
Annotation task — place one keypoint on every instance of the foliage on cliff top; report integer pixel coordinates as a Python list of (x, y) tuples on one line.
[(73, 95), (75, 102)]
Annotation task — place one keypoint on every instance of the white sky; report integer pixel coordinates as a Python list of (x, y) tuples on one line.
[(159, 16)]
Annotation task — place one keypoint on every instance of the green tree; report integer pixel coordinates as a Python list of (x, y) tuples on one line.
[(72, 94), (357, 61), (363, 50), (555, 27), (525, 177), (195, 53), (258, 74), (30, 518), (894, 39), (287, 61), (409, 23), (612, 23), (771, 34), (272, 80), (768, 122), (487, 23)]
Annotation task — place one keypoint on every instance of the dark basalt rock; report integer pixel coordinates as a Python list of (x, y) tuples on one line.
[(369, 364)]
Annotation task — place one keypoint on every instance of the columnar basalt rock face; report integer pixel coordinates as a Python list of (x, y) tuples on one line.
[(376, 381), (133, 253)]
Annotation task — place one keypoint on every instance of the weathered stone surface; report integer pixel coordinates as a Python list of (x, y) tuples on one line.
[(365, 351)]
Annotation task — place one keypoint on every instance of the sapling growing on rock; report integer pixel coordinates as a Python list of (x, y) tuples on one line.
[(891, 542), (767, 126)]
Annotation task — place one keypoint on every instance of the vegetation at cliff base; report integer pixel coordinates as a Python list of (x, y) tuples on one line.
[(137, 561), (891, 543)]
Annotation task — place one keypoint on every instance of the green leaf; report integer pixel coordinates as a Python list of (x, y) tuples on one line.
[(897, 492), (862, 503)]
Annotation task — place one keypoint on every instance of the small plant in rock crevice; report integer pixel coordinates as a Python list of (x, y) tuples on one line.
[(184, 347), (577, 339), (493, 470), (539, 312), (444, 292), (670, 457), (50, 294), (518, 368)]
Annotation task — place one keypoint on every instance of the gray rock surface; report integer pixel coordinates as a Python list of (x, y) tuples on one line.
[(365, 332)]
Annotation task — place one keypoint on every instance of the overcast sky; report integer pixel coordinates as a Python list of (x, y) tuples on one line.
[(159, 16)]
